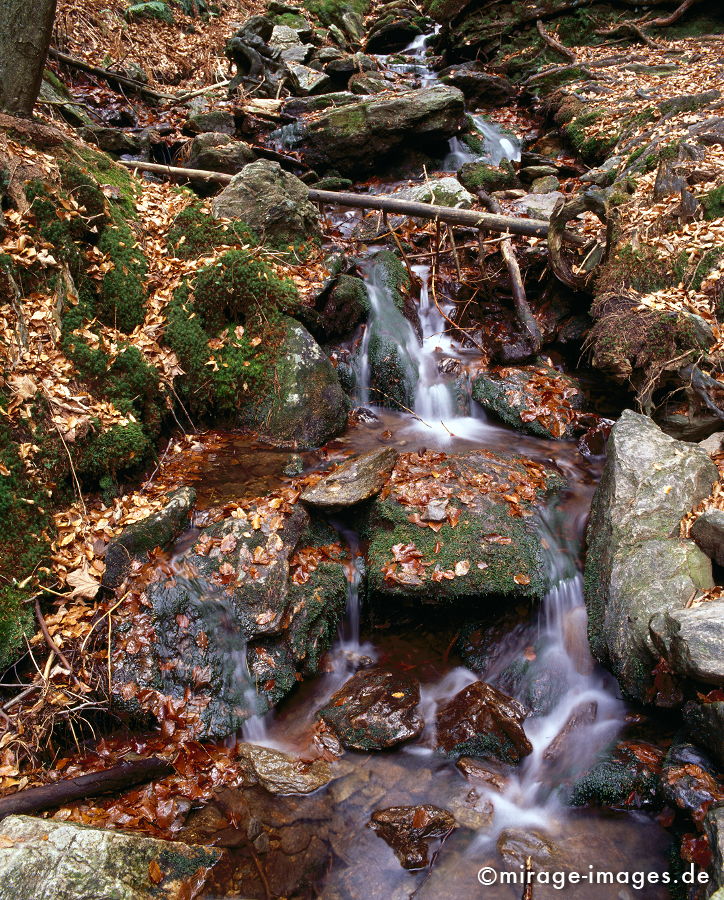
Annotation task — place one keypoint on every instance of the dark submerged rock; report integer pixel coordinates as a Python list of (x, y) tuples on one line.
[(410, 829), (374, 710), (482, 721)]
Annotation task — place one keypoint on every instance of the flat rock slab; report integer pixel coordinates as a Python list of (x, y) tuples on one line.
[(41, 859), (354, 481)]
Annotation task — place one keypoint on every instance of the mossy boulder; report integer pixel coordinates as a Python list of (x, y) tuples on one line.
[(237, 616), (272, 202), (612, 782), (42, 858), (537, 400), (438, 191), (478, 176), (216, 152), (637, 566), (358, 136), (468, 543)]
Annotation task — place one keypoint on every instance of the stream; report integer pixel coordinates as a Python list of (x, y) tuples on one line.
[(332, 848)]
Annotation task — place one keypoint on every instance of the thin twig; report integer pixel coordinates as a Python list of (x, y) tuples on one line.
[(51, 643)]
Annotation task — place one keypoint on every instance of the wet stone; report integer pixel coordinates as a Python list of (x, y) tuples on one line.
[(516, 846), (354, 481), (409, 829), (689, 782), (482, 721), (375, 709), (280, 773), (488, 773)]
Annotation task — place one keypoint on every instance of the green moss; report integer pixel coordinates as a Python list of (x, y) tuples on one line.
[(331, 11), (590, 146), (57, 226), (479, 176), (17, 622), (713, 203), (240, 284), (195, 232), (610, 783), (641, 270), (120, 449), (152, 9), (122, 298)]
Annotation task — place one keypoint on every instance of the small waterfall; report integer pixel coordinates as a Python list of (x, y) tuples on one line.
[(497, 146), (434, 398), (581, 721), (418, 67)]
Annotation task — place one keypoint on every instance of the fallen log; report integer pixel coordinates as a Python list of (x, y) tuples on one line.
[(468, 218), (117, 778), (113, 78)]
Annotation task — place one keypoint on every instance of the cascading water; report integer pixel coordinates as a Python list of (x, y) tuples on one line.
[(498, 145)]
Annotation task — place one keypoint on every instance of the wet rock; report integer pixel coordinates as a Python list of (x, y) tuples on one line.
[(157, 530), (232, 606), (280, 773), (219, 153), (358, 136), (539, 206), (545, 185), (482, 721), (309, 406), (622, 779), (220, 121), (374, 710), (309, 81), (472, 810), (271, 201), (714, 827), (636, 565), (485, 550), (708, 532), (704, 723), (489, 773), (689, 780), (354, 481), (41, 859), (559, 751), (409, 830), (538, 683), (481, 88), (112, 140), (391, 34), (691, 640), (366, 83), (516, 846), (345, 306), (438, 191), (535, 399)]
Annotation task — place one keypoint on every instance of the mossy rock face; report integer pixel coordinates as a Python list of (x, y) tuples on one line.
[(612, 782), (497, 544), (237, 608), (478, 176), (305, 406), (43, 858), (537, 400)]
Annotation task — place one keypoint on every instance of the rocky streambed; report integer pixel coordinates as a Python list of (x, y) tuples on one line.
[(480, 628)]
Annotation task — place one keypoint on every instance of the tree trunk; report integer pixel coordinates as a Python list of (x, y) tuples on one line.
[(25, 30)]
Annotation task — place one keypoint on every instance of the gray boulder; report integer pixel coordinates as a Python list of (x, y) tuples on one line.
[(353, 482), (636, 564), (41, 859), (539, 206), (355, 137), (439, 191), (692, 640), (204, 121), (481, 88), (708, 532), (219, 153), (271, 201)]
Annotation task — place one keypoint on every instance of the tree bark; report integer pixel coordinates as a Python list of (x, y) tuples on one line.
[(51, 796), (25, 31)]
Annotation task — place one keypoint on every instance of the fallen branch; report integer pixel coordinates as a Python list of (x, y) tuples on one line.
[(556, 45), (664, 21), (51, 643), (469, 218), (60, 793), (520, 301), (630, 30), (113, 78)]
